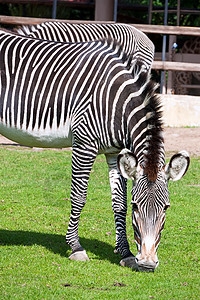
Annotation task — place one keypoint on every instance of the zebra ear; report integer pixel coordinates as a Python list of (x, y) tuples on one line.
[(178, 165), (127, 164)]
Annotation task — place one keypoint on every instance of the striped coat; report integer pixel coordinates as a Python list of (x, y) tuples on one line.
[(88, 96), (134, 42)]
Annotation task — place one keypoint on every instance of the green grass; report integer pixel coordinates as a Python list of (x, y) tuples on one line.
[(34, 213)]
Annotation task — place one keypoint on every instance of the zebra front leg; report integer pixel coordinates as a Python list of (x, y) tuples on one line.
[(118, 186), (82, 162)]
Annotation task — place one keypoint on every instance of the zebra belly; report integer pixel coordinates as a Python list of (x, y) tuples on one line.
[(59, 138)]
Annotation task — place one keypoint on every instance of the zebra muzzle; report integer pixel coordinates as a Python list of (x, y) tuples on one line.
[(147, 260)]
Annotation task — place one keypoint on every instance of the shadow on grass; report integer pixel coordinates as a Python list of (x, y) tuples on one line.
[(56, 243)]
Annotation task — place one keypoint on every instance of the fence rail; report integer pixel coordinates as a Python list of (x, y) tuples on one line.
[(33, 21), (160, 29), (155, 29), (176, 66)]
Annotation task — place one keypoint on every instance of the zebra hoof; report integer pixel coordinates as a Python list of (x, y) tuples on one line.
[(116, 252), (79, 256), (129, 262)]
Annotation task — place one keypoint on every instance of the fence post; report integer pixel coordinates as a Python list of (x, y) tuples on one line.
[(163, 73), (172, 40), (104, 10), (54, 9)]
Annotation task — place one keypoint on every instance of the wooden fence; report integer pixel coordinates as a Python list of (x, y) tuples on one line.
[(158, 64), (159, 29)]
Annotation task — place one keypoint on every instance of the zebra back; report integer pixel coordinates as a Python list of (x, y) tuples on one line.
[(46, 87), (133, 41), (50, 88)]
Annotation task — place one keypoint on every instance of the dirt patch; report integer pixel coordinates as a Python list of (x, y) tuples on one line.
[(176, 139)]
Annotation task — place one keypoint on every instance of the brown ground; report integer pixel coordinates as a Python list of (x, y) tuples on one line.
[(176, 139)]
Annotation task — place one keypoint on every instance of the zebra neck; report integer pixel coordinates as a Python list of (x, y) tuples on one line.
[(146, 128), (151, 160)]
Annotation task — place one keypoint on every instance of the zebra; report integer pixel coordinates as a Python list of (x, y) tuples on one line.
[(133, 41), (88, 96)]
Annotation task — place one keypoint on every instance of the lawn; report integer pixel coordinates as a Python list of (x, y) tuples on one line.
[(34, 214)]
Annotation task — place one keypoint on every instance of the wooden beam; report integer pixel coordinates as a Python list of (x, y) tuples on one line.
[(191, 86), (158, 29), (34, 21), (162, 29), (175, 66), (182, 11)]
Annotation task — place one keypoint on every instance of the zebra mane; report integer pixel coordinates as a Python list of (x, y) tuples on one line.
[(153, 146)]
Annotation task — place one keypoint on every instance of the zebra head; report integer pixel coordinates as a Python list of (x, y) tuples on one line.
[(150, 200)]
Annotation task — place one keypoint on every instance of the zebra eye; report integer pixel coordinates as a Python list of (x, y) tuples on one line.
[(134, 206)]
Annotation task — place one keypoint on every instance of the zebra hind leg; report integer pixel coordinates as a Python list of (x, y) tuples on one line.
[(82, 161), (119, 204)]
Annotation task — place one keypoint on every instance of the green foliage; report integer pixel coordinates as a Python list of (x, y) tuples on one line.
[(45, 11), (140, 15), (34, 213), (137, 14)]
